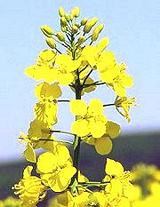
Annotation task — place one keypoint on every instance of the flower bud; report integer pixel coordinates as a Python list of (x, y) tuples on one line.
[(75, 12), (90, 24), (96, 32), (63, 28), (81, 39), (60, 36), (77, 25), (47, 30), (71, 17), (84, 21), (67, 17), (61, 12), (63, 21), (50, 42), (75, 29)]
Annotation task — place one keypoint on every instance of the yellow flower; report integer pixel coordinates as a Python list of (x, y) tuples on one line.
[(119, 179), (125, 104), (43, 69), (56, 168), (30, 189), (65, 68), (117, 78), (91, 54), (90, 118)]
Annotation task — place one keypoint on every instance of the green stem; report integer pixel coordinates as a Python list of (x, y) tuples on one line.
[(112, 104), (61, 100), (87, 76), (93, 184), (77, 141), (63, 132)]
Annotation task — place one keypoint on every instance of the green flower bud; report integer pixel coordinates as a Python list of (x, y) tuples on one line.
[(63, 21), (76, 24), (61, 12), (81, 39), (50, 42), (75, 12), (67, 17), (60, 36), (90, 24), (63, 28), (84, 21), (47, 30), (75, 29), (96, 32), (71, 17)]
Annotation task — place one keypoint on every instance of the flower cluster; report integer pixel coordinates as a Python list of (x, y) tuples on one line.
[(71, 60)]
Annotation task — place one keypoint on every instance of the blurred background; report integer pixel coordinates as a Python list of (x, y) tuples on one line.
[(133, 28)]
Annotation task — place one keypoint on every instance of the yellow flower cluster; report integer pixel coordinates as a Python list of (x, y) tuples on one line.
[(73, 66)]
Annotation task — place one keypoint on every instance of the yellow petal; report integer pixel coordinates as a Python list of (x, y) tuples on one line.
[(119, 89), (103, 145), (27, 171), (45, 90), (61, 181), (114, 168), (80, 127), (29, 154), (112, 129), (62, 154), (78, 107), (46, 55), (95, 106), (97, 128), (47, 162)]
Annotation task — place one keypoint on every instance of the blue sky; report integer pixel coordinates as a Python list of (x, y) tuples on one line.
[(133, 28)]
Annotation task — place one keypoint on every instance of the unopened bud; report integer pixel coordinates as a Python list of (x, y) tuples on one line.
[(75, 29), (71, 17), (84, 21), (63, 21), (76, 24), (50, 42), (96, 32), (81, 39), (67, 17), (61, 12), (75, 12), (90, 24), (60, 36), (47, 30), (63, 28)]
